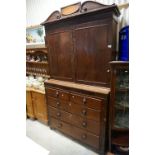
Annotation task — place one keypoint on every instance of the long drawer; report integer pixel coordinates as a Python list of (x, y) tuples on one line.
[(77, 109), (75, 132), (86, 124)]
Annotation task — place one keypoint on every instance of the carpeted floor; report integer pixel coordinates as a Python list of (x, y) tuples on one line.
[(53, 141)]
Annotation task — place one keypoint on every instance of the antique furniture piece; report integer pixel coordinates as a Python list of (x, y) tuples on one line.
[(36, 105), (119, 108), (79, 111), (37, 62), (81, 40)]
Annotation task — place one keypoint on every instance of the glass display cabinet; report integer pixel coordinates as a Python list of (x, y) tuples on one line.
[(119, 108)]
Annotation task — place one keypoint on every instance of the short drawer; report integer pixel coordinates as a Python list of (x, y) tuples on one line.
[(58, 94), (76, 133), (57, 103), (90, 102), (52, 92), (85, 112), (86, 124), (78, 121), (59, 114)]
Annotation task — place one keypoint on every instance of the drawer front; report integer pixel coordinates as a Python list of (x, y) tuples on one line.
[(60, 114), (57, 103), (58, 94), (78, 121), (76, 133), (52, 92), (57, 124), (86, 124), (90, 102), (85, 112)]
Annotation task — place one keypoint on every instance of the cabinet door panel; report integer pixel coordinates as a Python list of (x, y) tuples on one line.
[(92, 54), (61, 55), (40, 106), (29, 105)]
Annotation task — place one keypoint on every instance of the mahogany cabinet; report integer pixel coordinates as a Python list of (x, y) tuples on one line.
[(79, 111), (36, 105), (119, 108), (81, 40)]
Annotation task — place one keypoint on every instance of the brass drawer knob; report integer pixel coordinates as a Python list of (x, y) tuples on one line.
[(84, 136), (84, 124)]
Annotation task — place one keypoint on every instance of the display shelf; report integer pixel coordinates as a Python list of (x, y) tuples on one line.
[(37, 74), (120, 129), (34, 62), (121, 140), (34, 50), (122, 89), (37, 62)]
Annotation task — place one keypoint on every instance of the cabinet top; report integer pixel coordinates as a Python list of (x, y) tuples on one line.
[(79, 9), (95, 89)]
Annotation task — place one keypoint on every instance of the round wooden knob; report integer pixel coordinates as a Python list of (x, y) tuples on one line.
[(84, 124), (58, 103), (84, 112), (84, 136), (57, 93), (84, 100), (59, 125), (58, 114)]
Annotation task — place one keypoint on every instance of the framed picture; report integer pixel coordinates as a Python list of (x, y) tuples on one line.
[(35, 35)]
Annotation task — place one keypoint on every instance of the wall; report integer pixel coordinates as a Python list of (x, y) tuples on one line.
[(39, 10)]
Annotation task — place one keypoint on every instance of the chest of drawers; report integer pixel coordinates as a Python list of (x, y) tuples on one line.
[(79, 111)]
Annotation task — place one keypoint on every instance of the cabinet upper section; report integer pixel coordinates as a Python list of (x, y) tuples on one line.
[(78, 9)]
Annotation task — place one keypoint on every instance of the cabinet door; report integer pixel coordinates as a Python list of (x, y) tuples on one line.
[(40, 107), (29, 105), (121, 99), (61, 55), (92, 54)]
